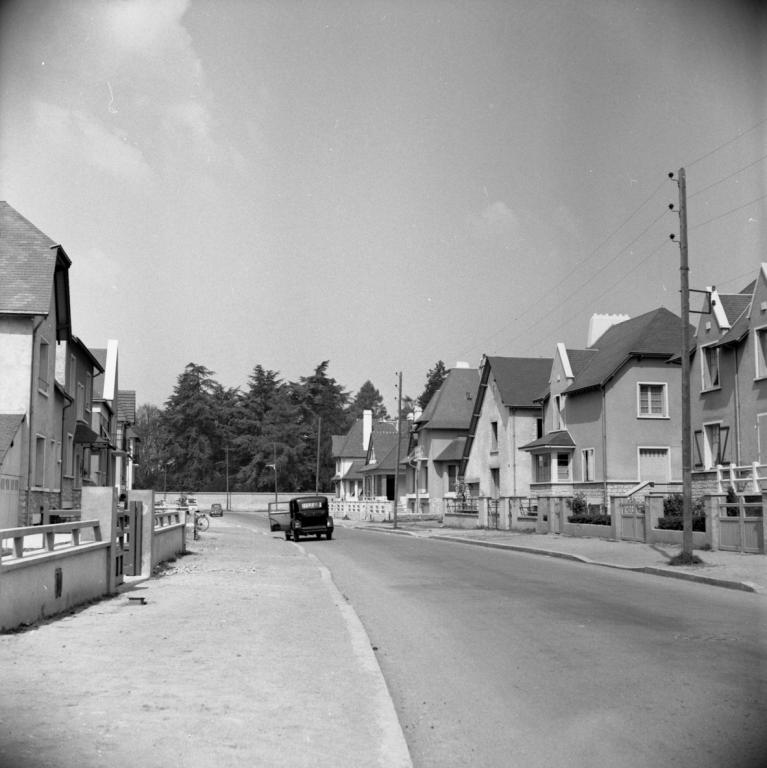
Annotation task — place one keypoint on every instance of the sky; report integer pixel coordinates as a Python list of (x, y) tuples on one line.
[(379, 184)]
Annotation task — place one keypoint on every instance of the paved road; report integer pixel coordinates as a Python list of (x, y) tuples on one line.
[(506, 659)]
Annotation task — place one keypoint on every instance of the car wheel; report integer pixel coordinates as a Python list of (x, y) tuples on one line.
[(330, 535), (287, 535), (295, 536)]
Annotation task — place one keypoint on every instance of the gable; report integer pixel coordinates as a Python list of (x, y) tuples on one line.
[(452, 404)]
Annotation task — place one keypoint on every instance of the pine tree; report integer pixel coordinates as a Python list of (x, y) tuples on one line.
[(434, 379), (368, 398)]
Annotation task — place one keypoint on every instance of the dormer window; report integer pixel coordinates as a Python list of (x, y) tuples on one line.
[(709, 361)]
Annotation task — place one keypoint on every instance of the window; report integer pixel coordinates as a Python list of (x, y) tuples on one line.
[(653, 465), (714, 447), (563, 467), (652, 401), (80, 402), (709, 361), (72, 377), (538, 428), (493, 437), (39, 461), (542, 467), (88, 392), (452, 477), (760, 335), (69, 458), (587, 465), (559, 412), (42, 367)]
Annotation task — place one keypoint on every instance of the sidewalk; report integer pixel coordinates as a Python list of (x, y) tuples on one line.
[(244, 653), (723, 569)]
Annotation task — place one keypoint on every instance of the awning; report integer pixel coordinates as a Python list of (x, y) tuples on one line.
[(84, 434), (454, 451), (560, 440)]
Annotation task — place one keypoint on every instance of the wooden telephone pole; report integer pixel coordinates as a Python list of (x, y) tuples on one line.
[(399, 443), (684, 270)]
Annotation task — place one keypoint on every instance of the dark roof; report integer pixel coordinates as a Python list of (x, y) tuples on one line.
[(349, 446), (453, 451), (734, 305), (126, 406), (9, 426), (27, 263), (520, 380), (559, 439), (654, 334), (98, 381), (452, 404), (384, 446)]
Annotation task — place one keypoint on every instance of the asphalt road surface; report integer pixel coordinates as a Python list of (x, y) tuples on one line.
[(500, 658)]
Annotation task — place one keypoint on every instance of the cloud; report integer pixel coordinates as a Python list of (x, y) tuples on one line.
[(85, 139)]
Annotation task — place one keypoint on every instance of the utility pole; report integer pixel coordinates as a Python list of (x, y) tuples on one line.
[(399, 443), (684, 273), (317, 474)]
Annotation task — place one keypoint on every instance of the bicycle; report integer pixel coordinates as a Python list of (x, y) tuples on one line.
[(201, 523)]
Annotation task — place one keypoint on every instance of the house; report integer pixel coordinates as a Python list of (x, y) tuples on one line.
[(103, 464), (34, 317), (437, 441), (349, 452), (612, 413), (380, 468), (126, 455), (728, 386), (76, 367), (507, 415)]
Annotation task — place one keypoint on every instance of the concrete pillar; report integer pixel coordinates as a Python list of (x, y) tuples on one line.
[(711, 506), (100, 503), (146, 498)]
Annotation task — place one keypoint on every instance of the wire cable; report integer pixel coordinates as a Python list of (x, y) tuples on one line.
[(582, 261), (727, 213), (726, 143), (726, 178)]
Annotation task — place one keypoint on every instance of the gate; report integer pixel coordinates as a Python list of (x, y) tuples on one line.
[(741, 525), (492, 513), (632, 516), (129, 527)]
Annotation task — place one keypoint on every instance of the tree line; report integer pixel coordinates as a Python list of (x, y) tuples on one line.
[(209, 436)]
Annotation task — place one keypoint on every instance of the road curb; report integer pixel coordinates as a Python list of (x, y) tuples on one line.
[(394, 749), (742, 586)]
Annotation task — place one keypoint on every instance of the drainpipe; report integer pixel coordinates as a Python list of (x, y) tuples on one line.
[(604, 450), (32, 389), (737, 410)]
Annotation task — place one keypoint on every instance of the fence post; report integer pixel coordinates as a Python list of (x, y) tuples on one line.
[(616, 522), (711, 505)]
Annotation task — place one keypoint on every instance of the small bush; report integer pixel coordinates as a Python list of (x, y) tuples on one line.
[(590, 519), (676, 523)]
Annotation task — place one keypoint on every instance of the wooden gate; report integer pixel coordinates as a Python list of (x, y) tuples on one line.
[(632, 516), (741, 526), (129, 527)]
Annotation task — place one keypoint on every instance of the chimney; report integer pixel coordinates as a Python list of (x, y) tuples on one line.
[(599, 324), (367, 428)]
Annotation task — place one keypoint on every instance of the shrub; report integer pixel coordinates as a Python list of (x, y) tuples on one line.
[(676, 523), (590, 519)]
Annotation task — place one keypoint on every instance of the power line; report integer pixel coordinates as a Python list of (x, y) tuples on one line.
[(726, 143), (726, 178), (580, 263), (727, 213), (613, 259)]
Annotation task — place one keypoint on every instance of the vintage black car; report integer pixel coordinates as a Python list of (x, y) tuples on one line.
[(304, 516)]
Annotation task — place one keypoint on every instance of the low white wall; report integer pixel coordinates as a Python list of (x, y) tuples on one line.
[(168, 543), (28, 585), (240, 501)]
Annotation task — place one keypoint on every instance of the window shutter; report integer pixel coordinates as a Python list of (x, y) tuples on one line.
[(698, 452), (724, 433)]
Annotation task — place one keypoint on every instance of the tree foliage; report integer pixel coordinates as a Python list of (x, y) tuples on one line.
[(368, 399), (208, 436), (434, 379)]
